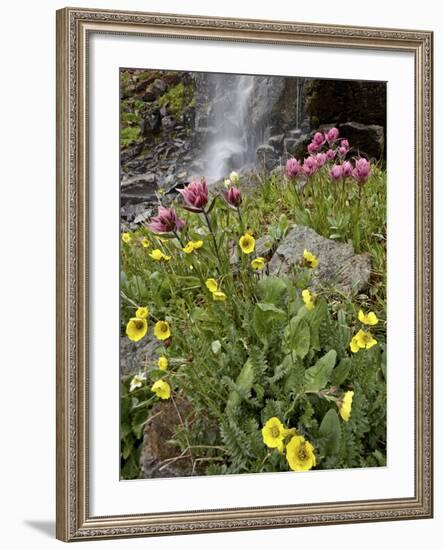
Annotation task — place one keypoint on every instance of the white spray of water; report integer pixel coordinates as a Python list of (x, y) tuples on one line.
[(233, 146)]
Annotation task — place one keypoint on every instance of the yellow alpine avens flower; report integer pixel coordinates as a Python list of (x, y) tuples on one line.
[(247, 243), (192, 246), (273, 434), (137, 381), (158, 255), (162, 330), (300, 454), (162, 363), (310, 259), (368, 318), (142, 312), (162, 389), (362, 340), (197, 244), (145, 242), (211, 284), (308, 298), (126, 237), (219, 296), (345, 405), (258, 263), (354, 344), (136, 329)]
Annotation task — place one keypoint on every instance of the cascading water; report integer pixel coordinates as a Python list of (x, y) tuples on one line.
[(234, 141), (299, 101)]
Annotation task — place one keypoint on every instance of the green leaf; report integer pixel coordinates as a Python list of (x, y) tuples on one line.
[(316, 377), (216, 346), (341, 372), (245, 382), (298, 336), (263, 317), (272, 289), (314, 319), (330, 432)]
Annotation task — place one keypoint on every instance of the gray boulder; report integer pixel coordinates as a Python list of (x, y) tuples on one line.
[(338, 267), (133, 355), (365, 139), (267, 157)]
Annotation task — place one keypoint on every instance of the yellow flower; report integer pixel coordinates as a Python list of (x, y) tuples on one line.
[(162, 389), (273, 434), (136, 328), (247, 243), (137, 381), (345, 405), (162, 330), (354, 344), (145, 242), (227, 183), (191, 246), (310, 259), (308, 298), (368, 318), (126, 237), (158, 255), (142, 312), (362, 339), (211, 284), (258, 263), (162, 363), (300, 454), (219, 296)]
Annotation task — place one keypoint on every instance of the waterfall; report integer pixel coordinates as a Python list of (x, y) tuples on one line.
[(232, 144), (299, 101)]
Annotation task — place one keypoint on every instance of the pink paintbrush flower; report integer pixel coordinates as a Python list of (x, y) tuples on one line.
[(293, 168), (321, 159), (318, 139), (332, 135), (347, 169), (342, 151), (166, 221), (233, 196), (331, 153), (362, 170), (336, 172), (195, 194), (310, 166), (345, 143), (313, 148)]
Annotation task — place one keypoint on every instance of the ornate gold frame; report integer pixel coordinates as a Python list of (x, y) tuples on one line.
[(73, 519)]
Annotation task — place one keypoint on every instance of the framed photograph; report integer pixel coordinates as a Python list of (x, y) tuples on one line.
[(244, 274)]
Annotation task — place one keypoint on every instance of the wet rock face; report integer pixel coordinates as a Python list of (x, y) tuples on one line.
[(338, 267), (339, 101), (160, 457), (365, 138)]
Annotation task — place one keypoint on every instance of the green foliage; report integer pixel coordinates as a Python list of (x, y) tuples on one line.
[(260, 352), (178, 97)]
